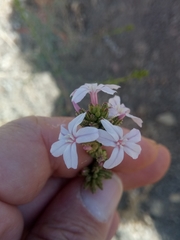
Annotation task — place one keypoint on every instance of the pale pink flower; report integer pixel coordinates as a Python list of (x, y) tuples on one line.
[(113, 137), (118, 109), (68, 138), (92, 89)]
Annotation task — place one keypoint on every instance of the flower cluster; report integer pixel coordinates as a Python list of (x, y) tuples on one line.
[(100, 127)]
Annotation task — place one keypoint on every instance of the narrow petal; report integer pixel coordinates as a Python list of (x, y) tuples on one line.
[(91, 86), (70, 156), (134, 136), (72, 126), (115, 158), (110, 129), (106, 139), (76, 106), (79, 94), (87, 134), (74, 156), (125, 109), (112, 112), (137, 120), (115, 101), (58, 148), (108, 90), (97, 87), (113, 86), (119, 131), (63, 132), (132, 149)]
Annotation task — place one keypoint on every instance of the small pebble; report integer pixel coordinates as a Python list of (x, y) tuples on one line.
[(167, 119)]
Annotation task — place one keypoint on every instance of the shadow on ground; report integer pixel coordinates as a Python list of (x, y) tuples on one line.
[(95, 41)]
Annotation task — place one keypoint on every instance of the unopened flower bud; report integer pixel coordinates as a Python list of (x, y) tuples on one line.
[(87, 148)]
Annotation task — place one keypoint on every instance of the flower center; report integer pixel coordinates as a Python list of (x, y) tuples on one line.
[(119, 142), (70, 138)]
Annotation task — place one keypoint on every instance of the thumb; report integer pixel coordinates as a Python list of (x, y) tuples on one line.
[(76, 213)]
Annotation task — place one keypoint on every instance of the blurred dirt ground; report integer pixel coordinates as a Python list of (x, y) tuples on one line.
[(48, 48)]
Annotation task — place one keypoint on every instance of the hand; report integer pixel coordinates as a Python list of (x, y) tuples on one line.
[(41, 199)]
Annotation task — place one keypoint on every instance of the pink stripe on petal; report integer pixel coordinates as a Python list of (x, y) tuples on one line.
[(132, 149), (109, 128), (72, 126), (119, 131), (106, 139), (115, 158), (134, 135)]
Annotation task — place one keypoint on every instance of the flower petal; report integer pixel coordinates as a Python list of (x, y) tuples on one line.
[(76, 106), (58, 148), (119, 131), (79, 94), (115, 158), (132, 149), (110, 129), (74, 156), (63, 132), (112, 112), (113, 86), (107, 89), (72, 126), (134, 136), (114, 101), (106, 139), (70, 156), (137, 120), (87, 134)]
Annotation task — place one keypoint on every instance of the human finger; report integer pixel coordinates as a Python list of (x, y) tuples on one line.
[(147, 156), (149, 174), (25, 159), (11, 222), (26, 162), (77, 213), (114, 226)]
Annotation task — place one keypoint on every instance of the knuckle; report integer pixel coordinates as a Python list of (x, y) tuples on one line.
[(65, 231)]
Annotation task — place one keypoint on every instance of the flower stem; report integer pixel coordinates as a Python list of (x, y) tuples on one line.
[(94, 175)]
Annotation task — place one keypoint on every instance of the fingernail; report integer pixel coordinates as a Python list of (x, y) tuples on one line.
[(102, 204)]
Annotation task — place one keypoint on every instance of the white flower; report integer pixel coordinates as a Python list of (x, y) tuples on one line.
[(92, 89), (113, 137), (68, 138), (118, 109)]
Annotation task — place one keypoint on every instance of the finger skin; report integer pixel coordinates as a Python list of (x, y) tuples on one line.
[(67, 218), (148, 175), (31, 210), (147, 156), (26, 162), (114, 226), (26, 166), (11, 222)]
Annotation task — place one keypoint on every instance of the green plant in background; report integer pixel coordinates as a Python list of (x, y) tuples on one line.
[(136, 74), (117, 31), (55, 41)]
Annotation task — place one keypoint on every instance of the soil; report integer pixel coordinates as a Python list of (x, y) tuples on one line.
[(48, 48)]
